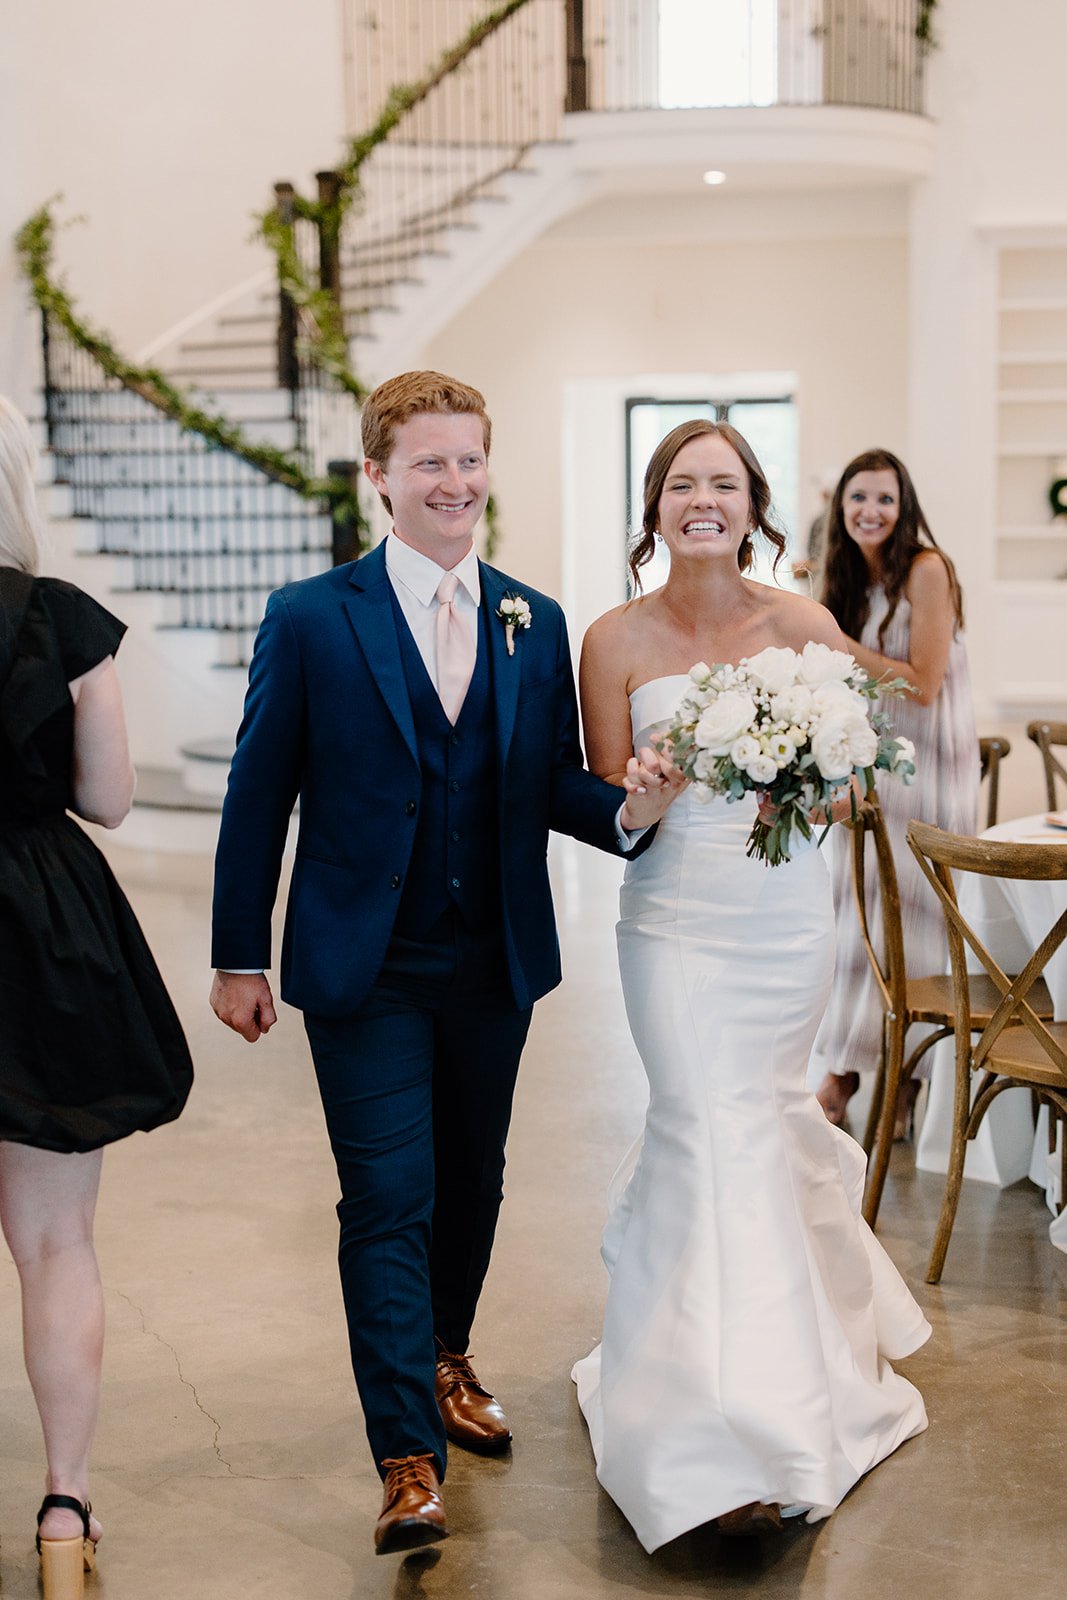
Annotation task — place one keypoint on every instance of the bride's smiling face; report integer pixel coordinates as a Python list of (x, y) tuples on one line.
[(705, 509)]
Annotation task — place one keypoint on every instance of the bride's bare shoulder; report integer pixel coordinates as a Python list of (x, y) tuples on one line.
[(615, 628), (798, 619)]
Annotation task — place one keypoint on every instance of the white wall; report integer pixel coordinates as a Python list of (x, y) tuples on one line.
[(996, 90), (619, 296), (165, 126)]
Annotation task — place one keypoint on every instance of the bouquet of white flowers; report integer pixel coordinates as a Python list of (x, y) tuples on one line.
[(793, 727)]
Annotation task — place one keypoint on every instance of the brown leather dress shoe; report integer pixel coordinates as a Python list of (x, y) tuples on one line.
[(751, 1519), (412, 1510), (471, 1416)]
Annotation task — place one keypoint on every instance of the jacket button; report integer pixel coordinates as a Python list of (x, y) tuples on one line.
[(394, 881), (454, 786), (455, 883), (411, 808), (454, 835)]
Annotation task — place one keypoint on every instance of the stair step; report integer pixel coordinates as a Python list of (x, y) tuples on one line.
[(164, 788)]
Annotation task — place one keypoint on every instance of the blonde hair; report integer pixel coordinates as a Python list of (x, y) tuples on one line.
[(21, 533)]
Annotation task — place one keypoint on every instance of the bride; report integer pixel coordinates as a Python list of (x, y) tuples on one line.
[(743, 1373)]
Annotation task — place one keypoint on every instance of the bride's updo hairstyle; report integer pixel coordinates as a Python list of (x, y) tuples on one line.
[(759, 493), (846, 576), (21, 535)]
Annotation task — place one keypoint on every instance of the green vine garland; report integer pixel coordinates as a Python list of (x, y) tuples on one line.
[(924, 24), (35, 242)]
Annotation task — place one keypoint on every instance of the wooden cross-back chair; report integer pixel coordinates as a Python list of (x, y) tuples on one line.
[(992, 749), (1045, 735), (905, 999), (1016, 1044)]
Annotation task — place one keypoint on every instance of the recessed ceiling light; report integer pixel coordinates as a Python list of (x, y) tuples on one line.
[(714, 176)]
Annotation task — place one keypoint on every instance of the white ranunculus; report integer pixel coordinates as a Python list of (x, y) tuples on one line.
[(842, 741), (793, 704), (781, 749), (762, 770), (728, 716), (773, 669), (819, 664), (905, 751), (744, 750)]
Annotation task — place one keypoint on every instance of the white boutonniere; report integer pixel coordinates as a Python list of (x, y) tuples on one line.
[(514, 612)]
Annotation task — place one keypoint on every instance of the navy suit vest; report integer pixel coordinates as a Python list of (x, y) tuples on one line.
[(455, 860)]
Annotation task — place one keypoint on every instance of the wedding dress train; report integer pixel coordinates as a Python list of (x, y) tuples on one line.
[(751, 1313)]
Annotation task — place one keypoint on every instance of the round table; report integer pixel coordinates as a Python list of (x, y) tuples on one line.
[(1011, 917)]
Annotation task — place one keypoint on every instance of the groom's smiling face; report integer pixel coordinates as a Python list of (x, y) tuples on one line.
[(437, 480)]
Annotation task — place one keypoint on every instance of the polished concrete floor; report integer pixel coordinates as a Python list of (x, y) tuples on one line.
[(230, 1459)]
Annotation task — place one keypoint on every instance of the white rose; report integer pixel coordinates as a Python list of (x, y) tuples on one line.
[(793, 704), (728, 716), (863, 746), (704, 765), (905, 751), (762, 770), (744, 750), (835, 742), (819, 664), (835, 695), (773, 669), (781, 749)]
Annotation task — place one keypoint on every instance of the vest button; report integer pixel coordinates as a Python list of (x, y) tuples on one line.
[(454, 836), (455, 883), (454, 739), (411, 808), (454, 786), (394, 881)]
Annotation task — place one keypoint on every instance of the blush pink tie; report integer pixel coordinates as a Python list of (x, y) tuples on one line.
[(456, 649)]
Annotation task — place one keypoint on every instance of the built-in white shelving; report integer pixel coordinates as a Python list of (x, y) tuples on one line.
[(1031, 410)]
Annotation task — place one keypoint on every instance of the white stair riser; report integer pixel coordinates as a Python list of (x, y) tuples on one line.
[(186, 503)]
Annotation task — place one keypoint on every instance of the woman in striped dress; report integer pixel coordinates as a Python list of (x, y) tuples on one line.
[(896, 596)]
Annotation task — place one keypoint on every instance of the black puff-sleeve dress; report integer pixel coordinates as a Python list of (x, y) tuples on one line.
[(91, 1048)]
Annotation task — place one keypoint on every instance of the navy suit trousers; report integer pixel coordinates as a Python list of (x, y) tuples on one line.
[(417, 1087)]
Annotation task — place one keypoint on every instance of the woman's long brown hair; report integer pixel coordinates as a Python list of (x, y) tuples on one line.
[(759, 493), (846, 588)]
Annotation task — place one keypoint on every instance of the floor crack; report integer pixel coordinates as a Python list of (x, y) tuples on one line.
[(215, 1423)]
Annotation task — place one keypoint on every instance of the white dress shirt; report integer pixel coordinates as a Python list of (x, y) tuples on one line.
[(415, 578)]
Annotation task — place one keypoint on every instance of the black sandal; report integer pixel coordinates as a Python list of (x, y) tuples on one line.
[(64, 1562)]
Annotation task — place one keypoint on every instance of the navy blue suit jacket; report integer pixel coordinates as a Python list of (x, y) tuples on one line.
[(328, 719)]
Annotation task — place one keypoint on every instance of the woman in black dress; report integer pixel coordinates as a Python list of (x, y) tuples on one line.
[(90, 1046)]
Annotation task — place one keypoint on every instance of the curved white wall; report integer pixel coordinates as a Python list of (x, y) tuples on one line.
[(165, 126)]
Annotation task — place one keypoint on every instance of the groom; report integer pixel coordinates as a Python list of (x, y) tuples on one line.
[(432, 745)]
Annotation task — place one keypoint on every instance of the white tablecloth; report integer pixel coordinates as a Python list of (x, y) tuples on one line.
[(1010, 917)]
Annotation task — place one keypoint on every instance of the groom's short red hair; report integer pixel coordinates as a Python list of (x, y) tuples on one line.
[(411, 394)]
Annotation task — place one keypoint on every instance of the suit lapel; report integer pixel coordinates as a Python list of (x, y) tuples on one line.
[(370, 611), (506, 670)]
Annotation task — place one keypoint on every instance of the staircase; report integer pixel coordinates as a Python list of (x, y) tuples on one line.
[(188, 539)]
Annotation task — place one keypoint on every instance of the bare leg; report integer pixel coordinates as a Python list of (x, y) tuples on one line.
[(47, 1203)]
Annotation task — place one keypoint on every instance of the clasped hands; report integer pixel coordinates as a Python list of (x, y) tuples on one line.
[(652, 782)]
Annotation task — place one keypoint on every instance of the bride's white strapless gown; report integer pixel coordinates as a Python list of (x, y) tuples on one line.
[(751, 1312)]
